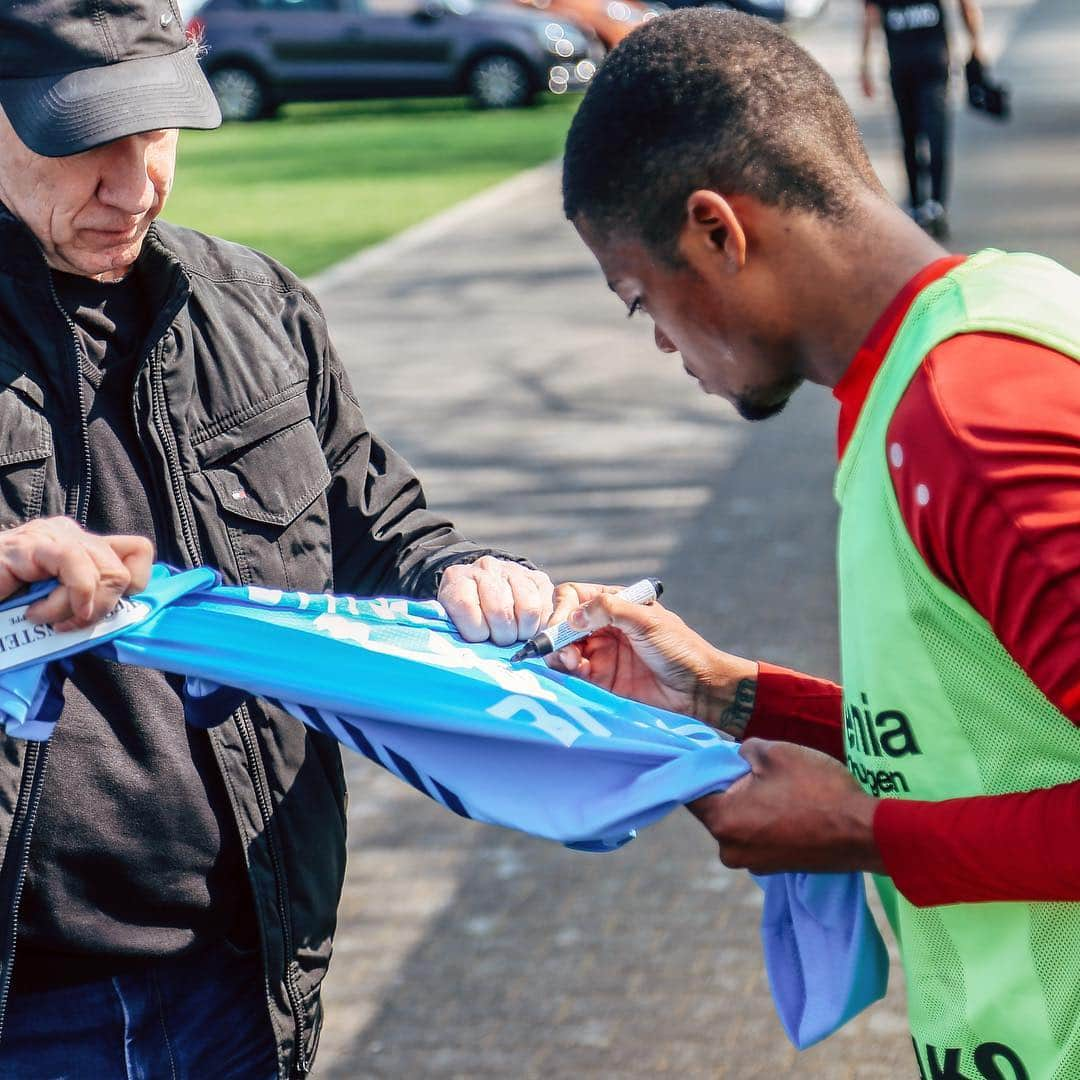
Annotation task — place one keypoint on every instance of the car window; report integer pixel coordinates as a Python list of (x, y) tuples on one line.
[(295, 5), (390, 7), (190, 8), (411, 7), (384, 7)]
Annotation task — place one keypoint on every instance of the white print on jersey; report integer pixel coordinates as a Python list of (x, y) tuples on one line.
[(912, 17), (439, 651), (558, 727)]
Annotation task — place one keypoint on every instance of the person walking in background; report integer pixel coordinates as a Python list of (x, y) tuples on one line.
[(918, 42)]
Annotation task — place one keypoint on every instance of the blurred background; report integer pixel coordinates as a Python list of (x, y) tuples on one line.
[(400, 155)]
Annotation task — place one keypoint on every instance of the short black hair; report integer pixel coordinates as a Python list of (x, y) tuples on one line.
[(710, 99)]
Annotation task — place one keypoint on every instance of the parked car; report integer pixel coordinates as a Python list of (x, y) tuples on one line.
[(610, 20), (777, 10), (261, 53)]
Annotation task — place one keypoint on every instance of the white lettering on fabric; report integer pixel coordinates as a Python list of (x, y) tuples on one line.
[(437, 650), (912, 17), (396, 610), (559, 728), (22, 642), (694, 729), (264, 596)]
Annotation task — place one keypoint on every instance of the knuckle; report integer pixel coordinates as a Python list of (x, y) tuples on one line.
[(451, 596), (717, 821), (532, 603), (716, 828), (732, 858), (754, 749)]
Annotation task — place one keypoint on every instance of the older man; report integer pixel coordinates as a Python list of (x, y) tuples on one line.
[(719, 178), (169, 896)]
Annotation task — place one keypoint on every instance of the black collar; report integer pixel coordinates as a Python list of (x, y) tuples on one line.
[(20, 253)]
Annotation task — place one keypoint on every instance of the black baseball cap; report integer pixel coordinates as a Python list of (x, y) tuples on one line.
[(78, 73)]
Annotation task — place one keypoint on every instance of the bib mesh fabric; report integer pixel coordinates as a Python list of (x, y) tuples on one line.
[(978, 975)]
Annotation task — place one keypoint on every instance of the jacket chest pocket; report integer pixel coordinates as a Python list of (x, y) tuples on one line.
[(26, 449), (272, 499)]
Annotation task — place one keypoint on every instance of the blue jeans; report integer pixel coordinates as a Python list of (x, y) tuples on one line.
[(193, 1019)]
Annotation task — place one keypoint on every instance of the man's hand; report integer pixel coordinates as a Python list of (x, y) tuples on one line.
[(645, 652), (93, 571), (796, 809), (496, 599)]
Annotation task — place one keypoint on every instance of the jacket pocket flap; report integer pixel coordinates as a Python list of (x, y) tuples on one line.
[(274, 480), (241, 428), (23, 433), (12, 374)]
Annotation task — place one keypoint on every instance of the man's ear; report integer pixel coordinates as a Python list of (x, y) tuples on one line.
[(712, 231)]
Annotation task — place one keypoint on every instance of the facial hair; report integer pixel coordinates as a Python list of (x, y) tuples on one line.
[(751, 410)]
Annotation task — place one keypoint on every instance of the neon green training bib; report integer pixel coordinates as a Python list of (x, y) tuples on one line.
[(935, 708)]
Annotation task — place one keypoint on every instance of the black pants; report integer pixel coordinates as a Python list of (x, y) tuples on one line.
[(921, 92)]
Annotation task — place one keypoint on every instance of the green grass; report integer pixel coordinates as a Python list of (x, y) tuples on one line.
[(323, 181)]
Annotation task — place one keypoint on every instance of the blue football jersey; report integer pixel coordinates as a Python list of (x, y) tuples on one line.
[(515, 745)]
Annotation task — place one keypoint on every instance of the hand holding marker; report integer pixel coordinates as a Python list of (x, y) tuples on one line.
[(559, 636)]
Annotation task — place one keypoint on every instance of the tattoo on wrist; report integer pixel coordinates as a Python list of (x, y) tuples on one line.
[(736, 715)]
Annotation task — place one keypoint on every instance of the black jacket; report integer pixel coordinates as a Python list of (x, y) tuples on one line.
[(266, 470)]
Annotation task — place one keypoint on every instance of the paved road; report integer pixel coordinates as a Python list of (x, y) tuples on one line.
[(489, 351)]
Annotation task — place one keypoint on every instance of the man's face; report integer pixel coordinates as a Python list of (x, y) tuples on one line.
[(90, 212), (724, 330)]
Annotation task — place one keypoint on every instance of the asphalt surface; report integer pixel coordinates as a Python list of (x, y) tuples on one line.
[(487, 348)]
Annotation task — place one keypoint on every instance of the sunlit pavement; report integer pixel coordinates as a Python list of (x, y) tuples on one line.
[(492, 355)]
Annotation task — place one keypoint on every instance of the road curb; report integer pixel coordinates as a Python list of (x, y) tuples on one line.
[(518, 186)]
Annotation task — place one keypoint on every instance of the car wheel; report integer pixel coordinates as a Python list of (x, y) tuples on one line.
[(500, 82), (240, 94)]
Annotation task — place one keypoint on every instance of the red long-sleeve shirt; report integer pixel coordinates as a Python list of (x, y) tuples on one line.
[(984, 452)]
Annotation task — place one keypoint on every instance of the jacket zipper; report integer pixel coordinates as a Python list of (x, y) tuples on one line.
[(26, 805), (37, 754), (244, 725), (247, 736), (79, 507)]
